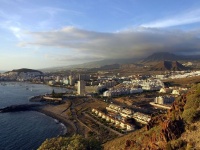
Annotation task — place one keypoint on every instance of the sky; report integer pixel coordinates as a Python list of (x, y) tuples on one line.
[(49, 33)]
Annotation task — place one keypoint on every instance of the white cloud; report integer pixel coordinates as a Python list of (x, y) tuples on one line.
[(192, 16), (16, 31)]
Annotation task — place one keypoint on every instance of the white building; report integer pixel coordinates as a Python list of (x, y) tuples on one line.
[(179, 91), (160, 76), (129, 127), (127, 113), (165, 90), (114, 108), (81, 87), (136, 90), (140, 117), (71, 80), (164, 100), (58, 79), (117, 123), (66, 81), (149, 84), (51, 82), (107, 94)]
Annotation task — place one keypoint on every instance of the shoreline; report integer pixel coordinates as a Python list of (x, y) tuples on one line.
[(70, 129), (69, 125)]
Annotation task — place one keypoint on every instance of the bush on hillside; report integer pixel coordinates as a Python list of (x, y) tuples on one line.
[(191, 108), (189, 115), (177, 144), (76, 142)]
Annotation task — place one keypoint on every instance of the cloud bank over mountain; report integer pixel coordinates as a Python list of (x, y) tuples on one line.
[(136, 42)]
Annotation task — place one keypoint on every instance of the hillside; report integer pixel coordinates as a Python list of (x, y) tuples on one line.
[(175, 130), (76, 142), (25, 70), (129, 62), (169, 66), (106, 67), (95, 64), (162, 56)]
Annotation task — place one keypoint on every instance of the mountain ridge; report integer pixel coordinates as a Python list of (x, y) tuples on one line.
[(155, 57), (162, 56), (169, 66)]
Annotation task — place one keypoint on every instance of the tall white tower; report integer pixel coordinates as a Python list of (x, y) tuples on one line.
[(81, 87), (71, 80)]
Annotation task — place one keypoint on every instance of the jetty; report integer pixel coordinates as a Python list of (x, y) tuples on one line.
[(22, 107)]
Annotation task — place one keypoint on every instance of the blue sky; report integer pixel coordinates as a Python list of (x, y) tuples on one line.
[(48, 33)]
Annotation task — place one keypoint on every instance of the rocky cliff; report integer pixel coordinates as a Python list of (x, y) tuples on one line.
[(175, 130), (164, 131)]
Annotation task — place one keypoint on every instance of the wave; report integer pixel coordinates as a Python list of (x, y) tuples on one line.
[(64, 128), (56, 121)]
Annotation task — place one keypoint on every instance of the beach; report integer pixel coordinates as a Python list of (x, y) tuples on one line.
[(58, 112)]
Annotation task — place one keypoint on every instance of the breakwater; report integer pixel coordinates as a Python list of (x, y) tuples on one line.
[(22, 107), (36, 98)]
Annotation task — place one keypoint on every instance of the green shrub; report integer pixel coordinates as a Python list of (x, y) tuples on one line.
[(189, 115), (177, 144), (192, 102), (168, 146), (76, 142), (189, 146), (192, 128)]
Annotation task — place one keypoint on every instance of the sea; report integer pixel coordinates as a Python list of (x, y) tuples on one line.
[(25, 130)]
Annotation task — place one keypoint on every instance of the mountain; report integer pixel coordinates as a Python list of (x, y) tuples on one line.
[(162, 56), (106, 67), (168, 65), (156, 57), (25, 70), (95, 64)]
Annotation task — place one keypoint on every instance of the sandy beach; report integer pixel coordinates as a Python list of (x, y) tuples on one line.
[(59, 113)]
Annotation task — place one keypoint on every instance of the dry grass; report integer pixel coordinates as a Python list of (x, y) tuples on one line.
[(120, 142), (58, 109), (193, 136)]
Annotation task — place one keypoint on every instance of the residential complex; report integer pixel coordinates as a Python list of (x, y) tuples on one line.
[(114, 121)]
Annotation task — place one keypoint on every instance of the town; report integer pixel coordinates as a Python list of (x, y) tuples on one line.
[(120, 104)]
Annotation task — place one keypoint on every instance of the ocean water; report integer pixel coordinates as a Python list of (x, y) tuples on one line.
[(25, 130)]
